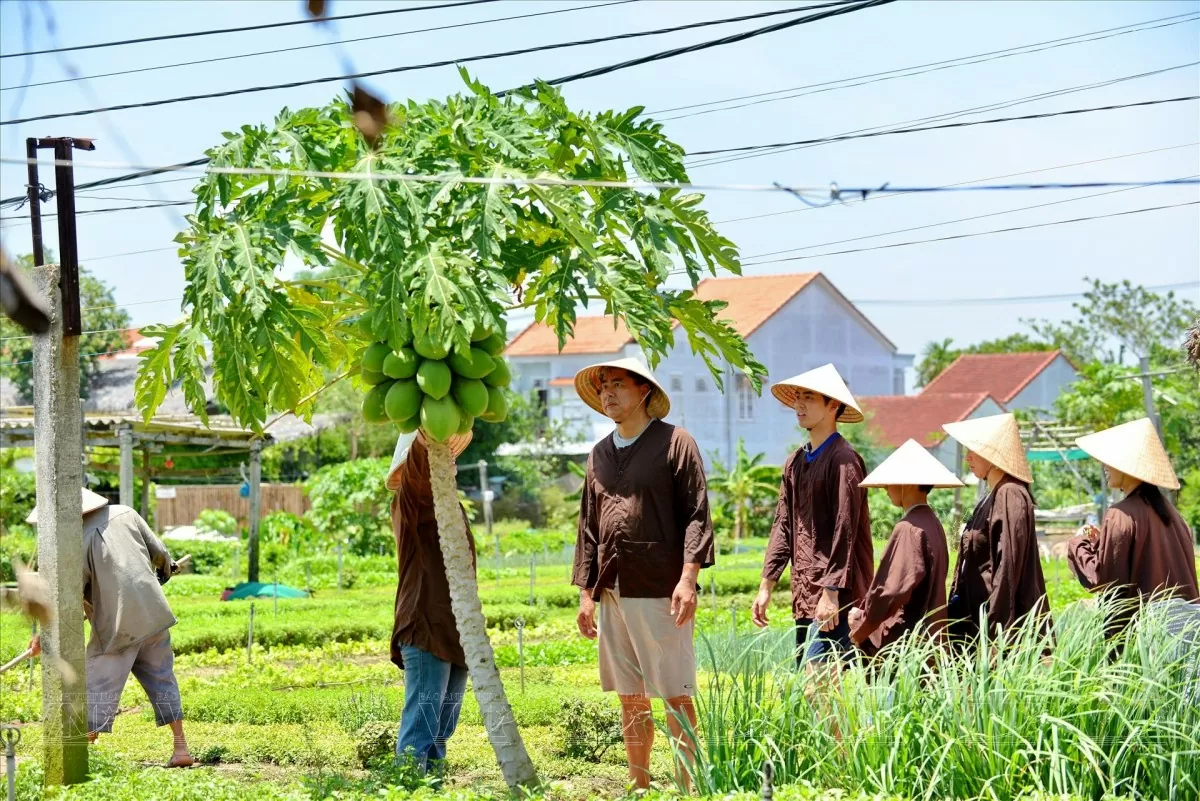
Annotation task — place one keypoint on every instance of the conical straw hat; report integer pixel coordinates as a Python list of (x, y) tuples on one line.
[(1134, 449), (587, 384), (996, 439), (458, 443), (910, 464), (89, 500), (825, 380)]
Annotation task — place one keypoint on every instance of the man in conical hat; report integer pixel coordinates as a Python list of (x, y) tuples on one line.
[(909, 588), (1143, 547), (124, 567), (999, 568), (822, 526), (425, 643), (644, 535)]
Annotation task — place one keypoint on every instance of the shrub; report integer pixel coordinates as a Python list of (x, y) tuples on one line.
[(375, 743), (590, 728), (216, 521), (209, 558), (350, 502)]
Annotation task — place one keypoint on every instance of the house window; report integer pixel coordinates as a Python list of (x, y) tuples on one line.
[(701, 384), (745, 397), (677, 382)]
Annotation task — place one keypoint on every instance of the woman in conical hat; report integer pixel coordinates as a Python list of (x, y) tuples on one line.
[(909, 588), (1143, 546), (425, 642), (999, 568)]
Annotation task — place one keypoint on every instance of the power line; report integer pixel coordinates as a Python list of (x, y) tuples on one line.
[(952, 222), (318, 44), (920, 69), (483, 57), (993, 301), (843, 138), (157, 205), (980, 233), (972, 181), (243, 29)]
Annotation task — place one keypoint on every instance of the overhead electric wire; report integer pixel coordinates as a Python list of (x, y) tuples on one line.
[(158, 205), (979, 233), (995, 301), (936, 66), (318, 44), (843, 9), (244, 28), (745, 259), (847, 137)]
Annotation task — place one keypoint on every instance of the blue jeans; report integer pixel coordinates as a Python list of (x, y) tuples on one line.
[(814, 645), (433, 696)]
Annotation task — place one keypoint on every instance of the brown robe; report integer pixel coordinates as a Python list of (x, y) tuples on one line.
[(1137, 553), (643, 514), (822, 527), (424, 618), (909, 588), (999, 566)]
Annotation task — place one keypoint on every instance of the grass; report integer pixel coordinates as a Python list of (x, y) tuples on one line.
[(282, 725)]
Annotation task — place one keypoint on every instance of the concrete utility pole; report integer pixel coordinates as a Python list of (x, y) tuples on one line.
[(58, 454), (125, 437), (1148, 395), (255, 506)]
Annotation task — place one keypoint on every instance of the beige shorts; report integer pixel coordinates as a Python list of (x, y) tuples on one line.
[(641, 650)]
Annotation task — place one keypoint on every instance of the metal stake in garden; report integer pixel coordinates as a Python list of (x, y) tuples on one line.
[(58, 455), (520, 623), (250, 635), (532, 577)]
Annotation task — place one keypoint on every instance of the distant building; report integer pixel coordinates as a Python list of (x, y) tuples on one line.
[(1016, 380), (894, 419), (792, 323)]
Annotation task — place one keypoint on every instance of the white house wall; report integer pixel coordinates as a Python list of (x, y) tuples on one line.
[(947, 449), (1041, 391)]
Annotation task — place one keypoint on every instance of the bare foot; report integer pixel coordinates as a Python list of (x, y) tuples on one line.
[(183, 760), (92, 736)]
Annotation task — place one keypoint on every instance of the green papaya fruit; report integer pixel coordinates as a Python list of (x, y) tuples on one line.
[(374, 355), (427, 348), (371, 378), (497, 408), (476, 365), (401, 364), (410, 425), (439, 418), (433, 377), (403, 400), (500, 376), (480, 332), (471, 395), (364, 326), (466, 423), (373, 404), (493, 345)]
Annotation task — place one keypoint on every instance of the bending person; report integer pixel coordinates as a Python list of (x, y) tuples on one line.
[(999, 568)]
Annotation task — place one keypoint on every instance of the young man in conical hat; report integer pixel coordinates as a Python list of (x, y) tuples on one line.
[(822, 526), (909, 588), (644, 535), (999, 568), (1143, 548), (425, 643), (124, 567)]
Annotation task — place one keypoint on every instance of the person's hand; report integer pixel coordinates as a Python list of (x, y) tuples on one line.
[(586, 619), (35, 645), (827, 609), (856, 617), (683, 602), (758, 610)]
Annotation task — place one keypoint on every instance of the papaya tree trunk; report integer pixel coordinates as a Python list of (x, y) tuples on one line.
[(497, 714)]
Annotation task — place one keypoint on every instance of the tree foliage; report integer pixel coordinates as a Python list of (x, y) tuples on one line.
[(100, 314), (937, 356), (431, 256), (747, 490)]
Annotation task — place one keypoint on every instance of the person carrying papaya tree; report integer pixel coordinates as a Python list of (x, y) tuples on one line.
[(644, 535), (425, 642)]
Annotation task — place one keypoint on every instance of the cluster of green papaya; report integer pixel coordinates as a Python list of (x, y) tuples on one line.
[(425, 385)]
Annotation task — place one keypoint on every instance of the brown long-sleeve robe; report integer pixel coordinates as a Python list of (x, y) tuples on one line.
[(643, 514), (424, 618), (909, 588), (822, 527), (1137, 553), (999, 566)]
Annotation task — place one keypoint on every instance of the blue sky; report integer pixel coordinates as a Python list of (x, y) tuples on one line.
[(1160, 247)]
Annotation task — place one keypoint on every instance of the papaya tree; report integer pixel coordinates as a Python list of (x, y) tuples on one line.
[(456, 212)]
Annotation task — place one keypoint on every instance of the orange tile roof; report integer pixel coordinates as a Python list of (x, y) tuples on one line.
[(592, 335), (897, 418), (562, 382), (752, 300), (1001, 375)]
